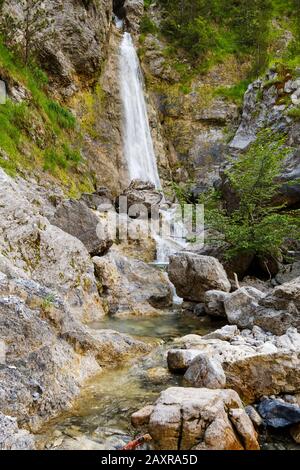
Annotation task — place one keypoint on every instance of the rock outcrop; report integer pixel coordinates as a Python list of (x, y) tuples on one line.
[(79, 44), (45, 253), (132, 287), (193, 275), (280, 310), (255, 363), (201, 419), (269, 103), (75, 218), (48, 353)]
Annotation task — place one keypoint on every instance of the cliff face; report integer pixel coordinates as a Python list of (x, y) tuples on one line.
[(77, 48)]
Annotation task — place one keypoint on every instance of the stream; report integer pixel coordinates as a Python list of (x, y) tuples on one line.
[(100, 417)]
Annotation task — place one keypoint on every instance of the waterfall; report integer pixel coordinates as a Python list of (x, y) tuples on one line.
[(138, 145)]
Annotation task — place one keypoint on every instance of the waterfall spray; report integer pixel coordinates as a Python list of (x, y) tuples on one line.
[(138, 145)]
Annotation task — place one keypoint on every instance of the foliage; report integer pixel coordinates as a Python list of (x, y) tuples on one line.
[(218, 27), (234, 93), (258, 226), (294, 113), (29, 25), (39, 133), (147, 26)]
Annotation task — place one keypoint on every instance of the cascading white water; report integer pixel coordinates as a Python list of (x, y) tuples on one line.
[(138, 145)]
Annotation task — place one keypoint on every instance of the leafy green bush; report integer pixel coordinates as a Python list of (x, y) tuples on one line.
[(259, 226), (147, 25), (210, 29)]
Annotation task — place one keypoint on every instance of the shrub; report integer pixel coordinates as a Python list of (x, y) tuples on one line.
[(259, 226)]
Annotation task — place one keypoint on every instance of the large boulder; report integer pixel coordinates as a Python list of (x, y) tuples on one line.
[(280, 310), (241, 306), (278, 414), (255, 363), (45, 253), (75, 218), (201, 419), (214, 303), (79, 44), (140, 198), (205, 372), (47, 354), (132, 287), (193, 275)]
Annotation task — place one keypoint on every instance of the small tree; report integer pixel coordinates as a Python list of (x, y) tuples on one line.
[(258, 226), (27, 28)]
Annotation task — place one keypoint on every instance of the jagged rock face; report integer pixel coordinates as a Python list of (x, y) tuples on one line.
[(45, 253), (101, 115), (201, 419), (193, 125), (79, 45), (267, 104), (11, 437), (48, 352), (255, 363)]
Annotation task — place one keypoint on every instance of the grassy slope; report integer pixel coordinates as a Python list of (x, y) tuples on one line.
[(39, 134), (226, 47)]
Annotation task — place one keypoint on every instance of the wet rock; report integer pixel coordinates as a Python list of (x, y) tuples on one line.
[(214, 303), (241, 306), (189, 418), (205, 372), (132, 287), (142, 417), (158, 375), (254, 416), (141, 197), (49, 353), (193, 275), (75, 218), (180, 359), (13, 438), (280, 310), (278, 414)]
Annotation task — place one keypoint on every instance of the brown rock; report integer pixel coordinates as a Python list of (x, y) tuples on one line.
[(142, 417)]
